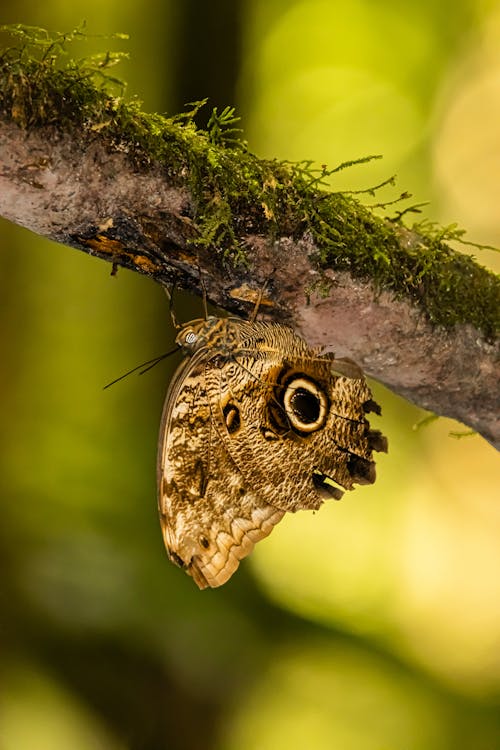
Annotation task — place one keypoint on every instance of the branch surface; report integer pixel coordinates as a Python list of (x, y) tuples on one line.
[(166, 200)]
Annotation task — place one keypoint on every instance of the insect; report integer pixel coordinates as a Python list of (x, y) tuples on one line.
[(255, 424)]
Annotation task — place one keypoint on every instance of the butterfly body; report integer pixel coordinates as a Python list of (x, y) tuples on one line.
[(255, 424)]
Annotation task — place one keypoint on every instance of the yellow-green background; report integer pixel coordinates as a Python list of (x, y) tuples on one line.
[(371, 625)]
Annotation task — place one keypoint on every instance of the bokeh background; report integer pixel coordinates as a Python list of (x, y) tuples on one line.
[(371, 625)]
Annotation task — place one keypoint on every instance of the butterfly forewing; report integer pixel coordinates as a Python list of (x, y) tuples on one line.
[(210, 519)]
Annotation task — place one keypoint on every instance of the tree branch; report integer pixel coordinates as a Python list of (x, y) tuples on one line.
[(161, 198)]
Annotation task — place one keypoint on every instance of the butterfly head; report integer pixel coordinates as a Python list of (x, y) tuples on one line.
[(209, 333)]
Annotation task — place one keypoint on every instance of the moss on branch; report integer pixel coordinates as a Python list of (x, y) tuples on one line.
[(235, 194)]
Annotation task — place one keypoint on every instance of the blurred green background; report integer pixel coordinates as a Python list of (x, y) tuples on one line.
[(371, 625)]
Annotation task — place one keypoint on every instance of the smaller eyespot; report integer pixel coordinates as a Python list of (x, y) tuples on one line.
[(232, 418), (204, 542)]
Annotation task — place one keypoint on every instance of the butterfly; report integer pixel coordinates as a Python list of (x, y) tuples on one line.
[(255, 424)]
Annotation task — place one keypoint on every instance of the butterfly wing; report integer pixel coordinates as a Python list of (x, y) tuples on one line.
[(210, 517)]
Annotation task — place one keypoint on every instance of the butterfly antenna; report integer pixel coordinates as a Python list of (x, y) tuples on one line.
[(170, 297), (144, 367), (203, 292)]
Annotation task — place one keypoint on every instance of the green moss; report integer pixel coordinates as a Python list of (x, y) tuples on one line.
[(450, 286), (237, 194)]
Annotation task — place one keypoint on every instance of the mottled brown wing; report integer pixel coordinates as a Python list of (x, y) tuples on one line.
[(210, 516), (292, 462)]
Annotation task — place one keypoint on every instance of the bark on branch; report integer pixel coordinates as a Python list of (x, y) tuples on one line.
[(158, 197)]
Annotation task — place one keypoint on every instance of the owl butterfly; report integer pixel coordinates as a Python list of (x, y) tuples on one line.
[(255, 424)]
